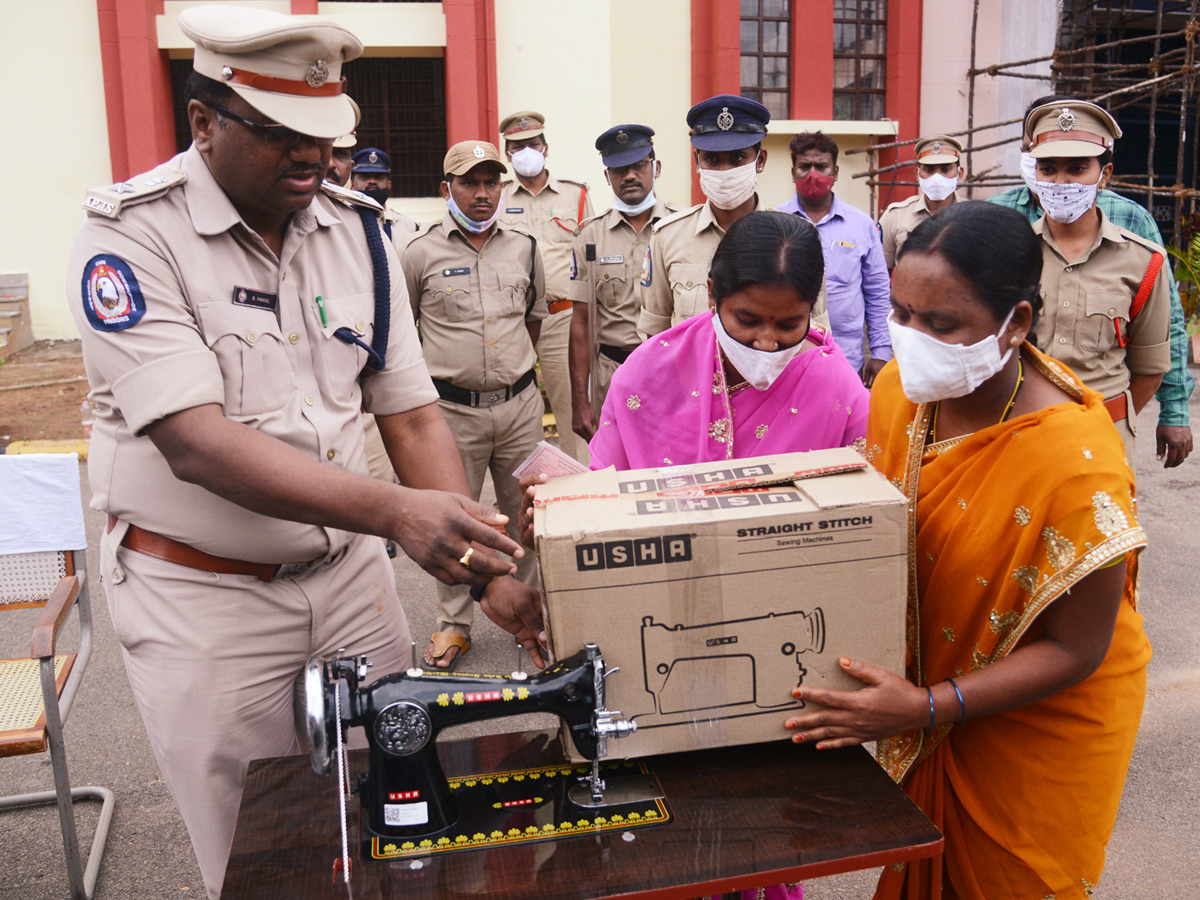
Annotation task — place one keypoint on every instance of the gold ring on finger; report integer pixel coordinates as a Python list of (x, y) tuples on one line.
[(465, 559)]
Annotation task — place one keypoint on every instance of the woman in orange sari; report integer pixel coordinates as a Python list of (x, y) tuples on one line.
[(1026, 654)]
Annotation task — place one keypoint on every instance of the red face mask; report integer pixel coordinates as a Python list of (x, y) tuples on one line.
[(814, 185)]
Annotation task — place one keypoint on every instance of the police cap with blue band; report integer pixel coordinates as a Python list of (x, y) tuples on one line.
[(372, 159), (726, 122), (623, 145)]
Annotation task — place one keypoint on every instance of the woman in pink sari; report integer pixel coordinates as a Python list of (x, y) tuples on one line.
[(754, 377)]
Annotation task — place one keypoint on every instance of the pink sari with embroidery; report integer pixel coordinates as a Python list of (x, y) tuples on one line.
[(669, 405)]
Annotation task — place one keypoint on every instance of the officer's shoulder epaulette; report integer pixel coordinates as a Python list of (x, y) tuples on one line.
[(677, 216), (1134, 238), (590, 219), (518, 227), (110, 201), (671, 209), (348, 197), (574, 181), (901, 204)]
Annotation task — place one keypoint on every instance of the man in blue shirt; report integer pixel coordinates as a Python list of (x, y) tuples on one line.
[(856, 276), (1173, 436)]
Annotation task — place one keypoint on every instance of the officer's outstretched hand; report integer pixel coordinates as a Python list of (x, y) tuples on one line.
[(438, 529), (517, 608)]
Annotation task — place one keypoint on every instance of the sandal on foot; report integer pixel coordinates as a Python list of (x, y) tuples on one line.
[(443, 642)]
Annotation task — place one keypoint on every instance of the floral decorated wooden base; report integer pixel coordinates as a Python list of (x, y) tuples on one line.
[(527, 805)]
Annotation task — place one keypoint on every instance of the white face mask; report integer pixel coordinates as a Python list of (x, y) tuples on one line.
[(938, 187), (730, 188), (468, 224), (1029, 172), (629, 210), (1066, 203), (528, 162), (760, 368), (932, 370)]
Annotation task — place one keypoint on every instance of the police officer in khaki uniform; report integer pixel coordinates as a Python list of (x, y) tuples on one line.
[(620, 238), (1107, 307), (477, 291), (225, 302), (373, 176), (341, 162), (726, 134), (939, 168), (550, 209)]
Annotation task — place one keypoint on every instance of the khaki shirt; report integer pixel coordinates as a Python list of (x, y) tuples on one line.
[(1085, 298), (472, 305), (403, 228), (551, 216), (674, 281), (620, 254), (223, 321), (898, 222)]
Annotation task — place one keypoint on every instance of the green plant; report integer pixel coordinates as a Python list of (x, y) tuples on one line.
[(1187, 277)]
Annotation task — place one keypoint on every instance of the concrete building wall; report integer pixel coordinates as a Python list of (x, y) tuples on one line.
[(56, 147)]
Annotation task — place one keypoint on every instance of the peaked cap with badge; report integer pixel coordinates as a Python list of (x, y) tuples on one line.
[(289, 68), (726, 122), (466, 155), (623, 145), (937, 149), (1071, 128), (372, 160), (522, 125)]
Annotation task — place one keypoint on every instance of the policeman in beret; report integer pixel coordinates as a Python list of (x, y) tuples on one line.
[(372, 176), (619, 239), (231, 337), (939, 166), (550, 208), (726, 134)]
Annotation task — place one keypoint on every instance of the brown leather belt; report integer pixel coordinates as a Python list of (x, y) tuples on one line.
[(1118, 407), (557, 306), (139, 540)]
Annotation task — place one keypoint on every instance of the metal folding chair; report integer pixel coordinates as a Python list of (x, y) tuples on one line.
[(37, 692)]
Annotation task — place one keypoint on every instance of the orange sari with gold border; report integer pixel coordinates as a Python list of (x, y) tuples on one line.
[(1003, 521)]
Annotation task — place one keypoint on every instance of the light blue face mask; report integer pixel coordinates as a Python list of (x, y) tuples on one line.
[(470, 224), (649, 201)]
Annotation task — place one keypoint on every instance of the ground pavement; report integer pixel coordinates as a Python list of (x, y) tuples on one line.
[(1154, 853)]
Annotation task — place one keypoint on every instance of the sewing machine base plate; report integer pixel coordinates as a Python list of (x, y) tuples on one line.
[(527, 805)]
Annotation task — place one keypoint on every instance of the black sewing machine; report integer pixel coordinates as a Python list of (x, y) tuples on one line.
[(409, 807)]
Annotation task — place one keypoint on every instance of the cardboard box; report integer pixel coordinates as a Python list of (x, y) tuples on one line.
[(718, 587)]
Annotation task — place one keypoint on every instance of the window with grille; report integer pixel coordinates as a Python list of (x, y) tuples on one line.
[(859, 58), (403, 103), (765, 54)]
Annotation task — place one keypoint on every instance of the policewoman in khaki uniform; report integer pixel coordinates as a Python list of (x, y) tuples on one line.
[(1106, 311), (226, 302), (620, 238), (550, 209), (478, 294), (938, 170)]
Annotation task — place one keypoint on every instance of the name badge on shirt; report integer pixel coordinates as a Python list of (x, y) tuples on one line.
[(243, 296), (606, 260), (849, 244), (515, 210), (465, 270)]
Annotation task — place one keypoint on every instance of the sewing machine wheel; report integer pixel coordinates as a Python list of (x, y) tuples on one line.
[(316, 712)]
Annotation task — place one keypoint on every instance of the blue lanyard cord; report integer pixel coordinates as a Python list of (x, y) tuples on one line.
[(374, 360), (377, 351)]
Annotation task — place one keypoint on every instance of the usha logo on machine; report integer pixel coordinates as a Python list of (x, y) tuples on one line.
[(647, 551)]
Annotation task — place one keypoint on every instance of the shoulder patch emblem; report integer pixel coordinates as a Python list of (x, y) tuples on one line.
[(112, 297), (647, 270)]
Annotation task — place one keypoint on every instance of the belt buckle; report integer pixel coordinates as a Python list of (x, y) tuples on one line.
[(492, 399)]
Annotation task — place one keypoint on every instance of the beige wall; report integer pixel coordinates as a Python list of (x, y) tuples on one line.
[(56, 147)]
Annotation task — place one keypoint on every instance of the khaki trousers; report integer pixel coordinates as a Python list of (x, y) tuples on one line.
[(216, 663), (552, 354), (496, 439), (605, 368)]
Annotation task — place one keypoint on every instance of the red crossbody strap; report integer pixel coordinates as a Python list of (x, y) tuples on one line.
[(1143, 293), (583, 202)]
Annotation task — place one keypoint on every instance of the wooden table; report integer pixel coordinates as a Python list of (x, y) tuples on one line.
[(743, 817)]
